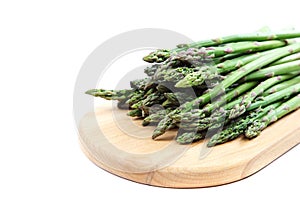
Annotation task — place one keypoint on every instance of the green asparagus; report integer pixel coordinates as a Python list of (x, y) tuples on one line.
[(248, 99), (226, 87), (231, 79), (235, 129), (162, 54), (255, 129)]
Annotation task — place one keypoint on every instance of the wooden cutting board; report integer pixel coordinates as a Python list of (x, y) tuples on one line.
[(120, 145)]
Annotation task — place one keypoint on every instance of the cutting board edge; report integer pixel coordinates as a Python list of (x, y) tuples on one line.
[(167, 177)]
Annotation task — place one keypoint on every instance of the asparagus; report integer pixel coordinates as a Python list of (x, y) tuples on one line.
[(231, 79), (198, 121), (282, 86), (149, 100), (261, 101), (150, 70), (197, 57), (225, 69), (156, 116), (282, 94), (260, 124), (162, 54), (284, 68), (174, 99), (172, 116), (192, 57), (239, 109), (135, 113), (201, 113), (110, 94), (173, 75), (293, 57), (136, 96), (235, 129), (198, 77), (234, 77), (139, 83), (189, 137)]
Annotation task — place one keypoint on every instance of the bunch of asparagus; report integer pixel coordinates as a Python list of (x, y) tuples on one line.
[(227, 87)]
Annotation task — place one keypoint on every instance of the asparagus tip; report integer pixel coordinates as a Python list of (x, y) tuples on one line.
[(157, 56), (182, 84), (91, 92)]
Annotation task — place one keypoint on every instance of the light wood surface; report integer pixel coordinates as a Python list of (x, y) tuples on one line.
[(120, 145)]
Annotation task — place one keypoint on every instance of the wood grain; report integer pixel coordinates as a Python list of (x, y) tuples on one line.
[(120, 145)]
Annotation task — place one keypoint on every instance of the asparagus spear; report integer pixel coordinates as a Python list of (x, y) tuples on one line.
[(229, 57), (260, 124), (156, 116), (149, 100), (189, 137), (174, 99), (234, 77), (110, 94), (135, 113), (162, 54), (231, 79), (173, 74), (198, 77), (259, 102), (198, 121), (198, 57), (139, 83), (150, 70), (282, 94), (282, 86), (235, 129), (239, 109), (201, 113), (293, 57), (284, 68), (175, 115), (136, 96)]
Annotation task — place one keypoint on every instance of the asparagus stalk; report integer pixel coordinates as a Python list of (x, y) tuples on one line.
[(110, 94), (173, 75), (136, 96), (284, 68), (239, 109), (174, 99), (235, 129), (198, 77), (149, 100), (282, 86), (261, 101), (293, 57), (162, 54), (197, 57), (195, 114), (231, 79), (189, 137), (229, 57), (156, 116), (139, 83), (255, 129), (172, 117), (244, 47), (282, 94), (135, 113), (150, 70), (198, 121)]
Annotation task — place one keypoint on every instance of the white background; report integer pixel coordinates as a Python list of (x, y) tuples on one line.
[(42, 47)]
